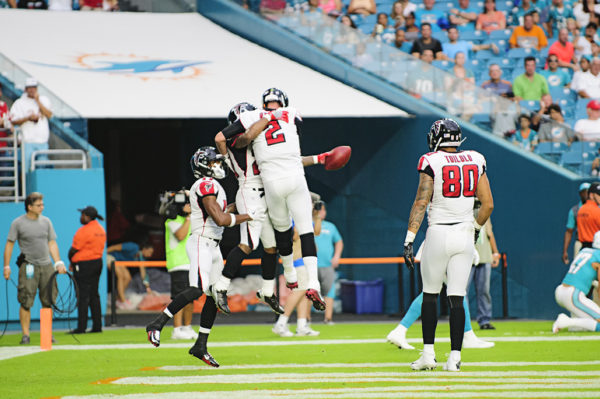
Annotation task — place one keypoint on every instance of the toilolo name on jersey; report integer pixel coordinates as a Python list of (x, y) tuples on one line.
[(458, 158)]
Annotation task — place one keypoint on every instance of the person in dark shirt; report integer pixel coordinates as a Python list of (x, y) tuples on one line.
[(426, 42)]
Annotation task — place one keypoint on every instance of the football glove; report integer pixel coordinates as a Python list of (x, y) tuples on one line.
[(409, 258), (322, 157)]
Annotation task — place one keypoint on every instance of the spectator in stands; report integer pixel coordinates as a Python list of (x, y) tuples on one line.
[(31, 112), (454, 46), (60, 5), (504, 116), (407, 7), (6, 129), (557, 17), (425, 79), (496, 84), (383, 31), (459, 69), (554, 129), (518, 13), (429, 15), (363, 7), (427, 42), (348, 33), (91, 5), (400, 41), (530, 85), (528, 35), (397, 14), (127, 251), (464, 15), (589, 129), (362, 58), (32, 4), (564, 51), (571, 224), (525, 137), (584, 66), (588, 84), (556, 77), (490, 19), (411, 30), (583, 44), (583, 10)]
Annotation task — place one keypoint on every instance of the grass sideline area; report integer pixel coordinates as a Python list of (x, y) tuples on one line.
[(345, 361)]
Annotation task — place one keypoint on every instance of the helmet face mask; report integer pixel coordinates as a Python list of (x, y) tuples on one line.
[(444, 133), (274, 95), (206, 162), (236, 110)]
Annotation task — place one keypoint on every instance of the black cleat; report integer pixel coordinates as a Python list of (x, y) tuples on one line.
[(315, 297), (154, 328), (272, 301), (220, 298), (199, 350)]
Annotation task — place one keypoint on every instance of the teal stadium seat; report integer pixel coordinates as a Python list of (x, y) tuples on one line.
[(475, 36), (550, 151), (500, 34)]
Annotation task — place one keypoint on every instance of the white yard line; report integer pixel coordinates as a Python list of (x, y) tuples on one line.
[(372, 365)]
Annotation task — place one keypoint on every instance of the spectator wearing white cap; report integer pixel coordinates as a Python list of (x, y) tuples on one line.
[(31, 112), (589, 129), (572, 224)]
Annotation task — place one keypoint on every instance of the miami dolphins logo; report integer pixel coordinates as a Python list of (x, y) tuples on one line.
[(133, 65)]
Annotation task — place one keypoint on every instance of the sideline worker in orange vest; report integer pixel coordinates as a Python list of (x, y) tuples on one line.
[(86, 263), (588, 217)]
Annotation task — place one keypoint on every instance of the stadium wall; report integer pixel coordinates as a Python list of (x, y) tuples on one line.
[(65, 191), (371, 198)]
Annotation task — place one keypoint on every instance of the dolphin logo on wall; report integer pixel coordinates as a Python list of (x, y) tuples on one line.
[(131, 65)]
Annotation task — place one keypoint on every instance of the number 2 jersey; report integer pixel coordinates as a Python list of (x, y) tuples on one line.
[(455, 177), (277, 148), (581, 273), (202, 223)]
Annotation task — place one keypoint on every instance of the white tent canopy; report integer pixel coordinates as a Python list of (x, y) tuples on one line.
[(138, 65)]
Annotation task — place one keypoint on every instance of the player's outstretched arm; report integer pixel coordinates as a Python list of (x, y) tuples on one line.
[(221, 143), (221, 218), (484, 193), (310, 160)]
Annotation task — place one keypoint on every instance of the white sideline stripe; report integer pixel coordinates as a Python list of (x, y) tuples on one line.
[(556, 338), (371, 365), (360, 376), (9, 352), (340, 393)]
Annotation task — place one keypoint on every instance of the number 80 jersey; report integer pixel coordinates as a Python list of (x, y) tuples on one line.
[(277, 148), (455, 177)]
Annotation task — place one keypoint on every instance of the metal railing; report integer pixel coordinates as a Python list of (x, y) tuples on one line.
[(12, 184), (80, 163)]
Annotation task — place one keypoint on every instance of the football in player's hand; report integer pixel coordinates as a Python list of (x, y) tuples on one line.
[(338, 157)]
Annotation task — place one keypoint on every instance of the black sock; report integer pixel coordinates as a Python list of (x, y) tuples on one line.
[(429, 317), (234, 262), (189, 295), (457, 322), (268, 264), (209, 313)]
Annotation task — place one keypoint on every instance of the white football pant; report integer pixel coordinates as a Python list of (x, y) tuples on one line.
[(206, 261)]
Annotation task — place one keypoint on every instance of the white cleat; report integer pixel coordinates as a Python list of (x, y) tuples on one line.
[(470, 340), (561, 322), (398, 337), (180, 333), (452, 365), (425, 362), (307, 332), (282, 330)]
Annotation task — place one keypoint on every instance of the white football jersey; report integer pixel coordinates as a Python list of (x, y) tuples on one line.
[(244, 165), (202, 223), (455, 177), (277, 148)]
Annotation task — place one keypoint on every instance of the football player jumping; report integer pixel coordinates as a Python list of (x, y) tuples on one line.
[(251, 194), (209, 203), (273, 133), (449, 179)]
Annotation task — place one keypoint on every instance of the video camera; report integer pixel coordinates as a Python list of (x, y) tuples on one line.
[(317, 205), (170, 203)]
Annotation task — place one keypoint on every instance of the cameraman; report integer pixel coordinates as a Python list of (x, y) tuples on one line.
[(177, 232)]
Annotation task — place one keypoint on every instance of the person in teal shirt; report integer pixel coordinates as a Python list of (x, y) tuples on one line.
[(555, 76), (329, 251), (571, 294)]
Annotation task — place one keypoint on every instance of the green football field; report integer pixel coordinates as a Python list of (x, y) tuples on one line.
[(345, 361)]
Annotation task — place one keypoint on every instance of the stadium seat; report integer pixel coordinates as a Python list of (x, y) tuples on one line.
[(563, 93), (504, 5), (445, 65), (530, 104), (574, 161), (584, 147), (515, 72), (398, 78), (379, 51), (502, 45), (550, 151), (476, 36), (500, 34), (519, 52), (484, 55), (441, 36), (475, 65), (566, 106), (505, 63)]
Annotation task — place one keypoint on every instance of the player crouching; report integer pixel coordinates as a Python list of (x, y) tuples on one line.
[(209, 203)]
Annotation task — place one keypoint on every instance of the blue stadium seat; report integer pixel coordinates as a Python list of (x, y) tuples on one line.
[(566, 107), (519, 52), (366, 27), (476, 36), (398, 78), (444, 7), (484, 55), (441, 36), (575, 161), (500, 34), (475, 65), (530, 104), (379, 51), (550, 151), (504, 5), (445, 65), (585, 147), (563, 93), (502, 45), (516, 72), (505, 63), (580, 108)]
